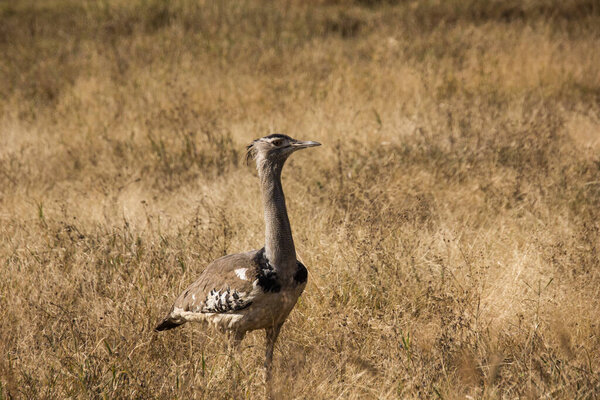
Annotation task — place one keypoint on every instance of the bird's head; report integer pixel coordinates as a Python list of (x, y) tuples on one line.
[(275, 149)]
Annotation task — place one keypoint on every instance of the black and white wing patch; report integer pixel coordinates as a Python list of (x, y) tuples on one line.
[(224, 301)]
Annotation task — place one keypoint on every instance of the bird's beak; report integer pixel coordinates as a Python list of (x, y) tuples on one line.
[(299, 144)]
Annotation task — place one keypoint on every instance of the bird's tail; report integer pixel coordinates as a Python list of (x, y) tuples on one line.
[(167, 324)]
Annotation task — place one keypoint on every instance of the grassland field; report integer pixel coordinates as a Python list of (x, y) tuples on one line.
[(450, 222)]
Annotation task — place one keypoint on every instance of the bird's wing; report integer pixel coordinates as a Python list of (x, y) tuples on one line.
[(225, 286)]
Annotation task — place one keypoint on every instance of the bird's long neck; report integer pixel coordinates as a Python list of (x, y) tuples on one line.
[(279, 244)]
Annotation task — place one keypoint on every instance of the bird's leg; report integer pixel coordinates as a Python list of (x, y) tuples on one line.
[(235, 338), (271, 336)]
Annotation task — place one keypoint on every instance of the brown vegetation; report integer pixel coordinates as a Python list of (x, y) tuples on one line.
[(450, 222)]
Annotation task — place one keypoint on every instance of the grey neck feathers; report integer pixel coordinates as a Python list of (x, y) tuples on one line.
[(279, 244)]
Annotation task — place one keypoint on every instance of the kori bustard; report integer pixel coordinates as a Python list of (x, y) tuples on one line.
[(257, 289)]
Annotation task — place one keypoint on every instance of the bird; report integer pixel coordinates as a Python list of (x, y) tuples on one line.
[(256, 289)]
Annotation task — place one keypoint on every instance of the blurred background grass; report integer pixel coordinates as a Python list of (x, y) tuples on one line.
[(449, 222)]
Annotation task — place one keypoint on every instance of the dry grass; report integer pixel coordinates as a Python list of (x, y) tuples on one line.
[(450, 222)]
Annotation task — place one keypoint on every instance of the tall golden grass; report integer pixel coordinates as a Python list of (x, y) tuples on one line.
[(450, 222)]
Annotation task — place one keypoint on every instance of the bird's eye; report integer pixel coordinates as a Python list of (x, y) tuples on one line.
[(276, 143)]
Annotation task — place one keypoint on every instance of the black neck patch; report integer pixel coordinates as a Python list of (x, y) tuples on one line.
[(301, 274), (266, 274)]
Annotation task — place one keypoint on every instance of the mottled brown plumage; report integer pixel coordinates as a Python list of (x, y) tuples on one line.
[(247, 303)]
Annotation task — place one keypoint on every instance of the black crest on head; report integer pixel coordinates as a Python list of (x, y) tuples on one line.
[(277, 136)]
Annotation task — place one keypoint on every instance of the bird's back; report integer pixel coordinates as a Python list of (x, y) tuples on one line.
[(238, 292)]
